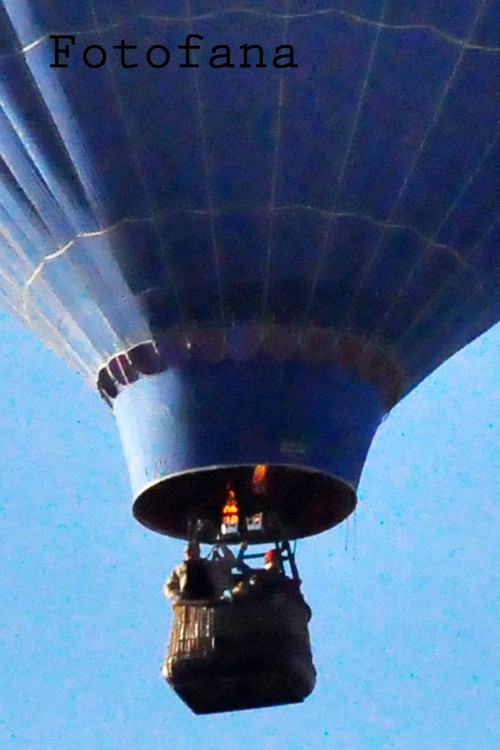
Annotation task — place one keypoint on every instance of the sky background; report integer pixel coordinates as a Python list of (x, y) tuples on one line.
[(405, 597)]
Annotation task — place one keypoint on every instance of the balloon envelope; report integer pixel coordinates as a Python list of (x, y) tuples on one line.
[(253, 258)]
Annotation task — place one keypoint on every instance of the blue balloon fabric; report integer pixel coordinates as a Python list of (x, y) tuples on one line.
[(231, 179)]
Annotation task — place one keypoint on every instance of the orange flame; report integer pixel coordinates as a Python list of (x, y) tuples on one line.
[(230, 511), (259, 478)]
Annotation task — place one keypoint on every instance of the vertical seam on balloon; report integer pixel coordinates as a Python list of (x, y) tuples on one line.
[(274, 176), (343, 168), (204, 156)]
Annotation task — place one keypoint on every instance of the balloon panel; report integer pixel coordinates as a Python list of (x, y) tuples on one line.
[(357, 192)]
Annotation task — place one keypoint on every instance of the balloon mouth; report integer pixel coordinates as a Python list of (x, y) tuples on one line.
[(232, 503)]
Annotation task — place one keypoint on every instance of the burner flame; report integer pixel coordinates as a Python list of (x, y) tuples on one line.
[(230, 511), (259, 479)]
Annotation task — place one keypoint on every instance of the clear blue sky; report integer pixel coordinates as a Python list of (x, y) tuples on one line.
[(406, 628)]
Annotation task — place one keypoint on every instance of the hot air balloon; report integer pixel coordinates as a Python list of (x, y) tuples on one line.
[(254, 230)]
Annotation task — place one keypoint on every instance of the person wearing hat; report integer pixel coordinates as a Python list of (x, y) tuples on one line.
[(272, 561), (272, 575), (270, 578), (191, 579)]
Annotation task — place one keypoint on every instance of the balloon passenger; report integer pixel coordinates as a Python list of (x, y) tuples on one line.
[(269, 579), (271, 576), (198, 578), (192, 579)]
